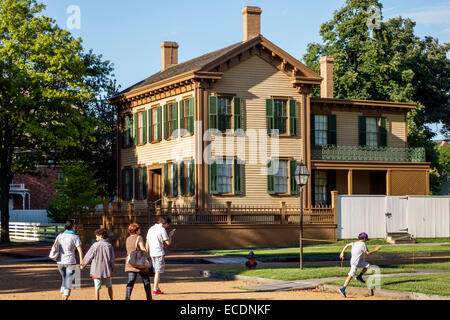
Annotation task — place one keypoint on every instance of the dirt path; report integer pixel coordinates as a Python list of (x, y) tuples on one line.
[(41, 281)]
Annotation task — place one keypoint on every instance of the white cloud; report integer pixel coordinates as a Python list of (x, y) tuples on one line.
[(430, 14)]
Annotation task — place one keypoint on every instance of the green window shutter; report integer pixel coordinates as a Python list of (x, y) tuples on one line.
[(192, 178), (313, 185), (136, 123), (362, 130), (166, 129), (175, 179), (237, 113), (293, 117), (130, 130), (182, 182), (144, 183), (175, 120), (270, 179), (124, 192), (237, 177), (136, 184), (213, 181), (130, 184), (159, 123), (144, 120), (213, 113), (332, 136), (270, 115), (293, 183), (182, 115), (150, 127), (166, 180), (122, 131), (191, 115), (313, 130), (383, 132)]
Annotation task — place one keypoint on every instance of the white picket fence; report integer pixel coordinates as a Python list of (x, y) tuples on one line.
[(421, 216), (24, 231)]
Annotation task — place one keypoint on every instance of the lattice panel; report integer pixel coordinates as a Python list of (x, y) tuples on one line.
[(408, 183)]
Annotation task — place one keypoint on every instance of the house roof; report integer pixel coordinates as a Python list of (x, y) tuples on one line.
[(208, 62), (190, 65)]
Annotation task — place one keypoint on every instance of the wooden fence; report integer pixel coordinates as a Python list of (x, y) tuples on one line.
[(34, 231)]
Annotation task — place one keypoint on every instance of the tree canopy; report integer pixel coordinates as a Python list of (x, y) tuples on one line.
[(389, 63), (47, 83)]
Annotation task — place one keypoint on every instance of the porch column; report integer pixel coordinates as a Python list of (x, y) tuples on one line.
[(388, 183), (350, 182)]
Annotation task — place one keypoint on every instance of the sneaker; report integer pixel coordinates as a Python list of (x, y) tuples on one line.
[(342, 292), (157, 292), (360, 278)]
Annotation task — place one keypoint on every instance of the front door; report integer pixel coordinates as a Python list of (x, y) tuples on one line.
[(155, 186)]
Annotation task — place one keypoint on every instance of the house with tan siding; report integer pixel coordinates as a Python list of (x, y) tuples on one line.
[(232, 125)]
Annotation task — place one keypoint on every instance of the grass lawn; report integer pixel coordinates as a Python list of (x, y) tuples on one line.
[(435, 265), (324, 250), (294, 273), (428, 284)]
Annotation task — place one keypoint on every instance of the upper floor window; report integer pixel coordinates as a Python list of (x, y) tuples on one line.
[(127, 127), (372, 131), (187, 115), (141, 127), (323, 130), (281, 116), (171, 120), (225, 113)]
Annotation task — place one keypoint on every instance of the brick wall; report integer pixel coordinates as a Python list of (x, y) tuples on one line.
[(41, 189)]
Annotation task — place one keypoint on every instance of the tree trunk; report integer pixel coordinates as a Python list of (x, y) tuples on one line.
[(4, 208)]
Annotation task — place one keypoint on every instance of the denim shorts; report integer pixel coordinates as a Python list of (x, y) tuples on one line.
[(107, 282), (159, 264)]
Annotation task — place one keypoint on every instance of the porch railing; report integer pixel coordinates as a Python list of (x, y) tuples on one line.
[(358, 153), (233, 214)]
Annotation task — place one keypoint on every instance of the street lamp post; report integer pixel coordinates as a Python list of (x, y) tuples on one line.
[(301, 178)]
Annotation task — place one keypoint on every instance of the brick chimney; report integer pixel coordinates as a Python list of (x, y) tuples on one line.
[(326, 72), (169, 54), (252, 22)]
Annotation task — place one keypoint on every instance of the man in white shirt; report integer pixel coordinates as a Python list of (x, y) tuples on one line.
[(156, 238), (358, 248)]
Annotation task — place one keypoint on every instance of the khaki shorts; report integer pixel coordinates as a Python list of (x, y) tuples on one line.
[(353, 268), (159, 264), (107, 282)]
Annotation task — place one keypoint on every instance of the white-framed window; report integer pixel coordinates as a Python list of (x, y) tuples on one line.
[(282, 177), (225, 113), (320, 187), (154, 129), (225, 177), (321, 130), (280, 115), (140, 125), (372, 132)]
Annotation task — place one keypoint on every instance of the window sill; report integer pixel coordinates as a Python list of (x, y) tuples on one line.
[(283, 195), (226, 195)]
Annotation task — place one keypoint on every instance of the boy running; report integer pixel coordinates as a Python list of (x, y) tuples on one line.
[(358, 248)]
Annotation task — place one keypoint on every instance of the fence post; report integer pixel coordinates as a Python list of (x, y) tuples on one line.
[(283, 213), (229, 212), (334, 206)]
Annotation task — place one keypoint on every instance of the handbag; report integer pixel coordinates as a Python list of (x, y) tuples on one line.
[(54, 252), (138, 259)]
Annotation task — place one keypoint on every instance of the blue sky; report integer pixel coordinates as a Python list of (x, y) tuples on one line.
[(129, 34)]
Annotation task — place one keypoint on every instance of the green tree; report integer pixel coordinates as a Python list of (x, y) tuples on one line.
[(75, 192), (390, 64), (444, 160), (43, 95)]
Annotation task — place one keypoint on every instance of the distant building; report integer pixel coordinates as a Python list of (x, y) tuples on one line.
[(33, 193)]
